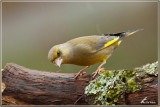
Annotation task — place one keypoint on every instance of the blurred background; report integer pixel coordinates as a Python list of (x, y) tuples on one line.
[(31, 29)]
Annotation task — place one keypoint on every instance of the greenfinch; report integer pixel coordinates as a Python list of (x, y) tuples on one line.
[(87, 50)]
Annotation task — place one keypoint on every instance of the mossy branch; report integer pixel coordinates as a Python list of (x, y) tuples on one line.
[(112, 85), (24, 86)]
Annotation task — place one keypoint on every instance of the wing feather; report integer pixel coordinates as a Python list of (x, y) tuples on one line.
[(94, 43)]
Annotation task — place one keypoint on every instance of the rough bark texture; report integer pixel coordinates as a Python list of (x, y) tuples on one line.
[(147, 96), (31, 87)]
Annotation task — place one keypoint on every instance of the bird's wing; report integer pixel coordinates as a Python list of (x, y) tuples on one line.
[(96, 43), (105, 41), (93, 43), (84, 44)]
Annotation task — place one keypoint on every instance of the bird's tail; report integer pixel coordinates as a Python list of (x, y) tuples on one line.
[(120, 37), (126, 34)]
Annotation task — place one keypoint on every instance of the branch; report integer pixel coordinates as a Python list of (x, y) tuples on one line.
[(24, 86)]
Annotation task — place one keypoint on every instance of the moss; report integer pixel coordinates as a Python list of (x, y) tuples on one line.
[(133, 86), (111, 85), (98, 84), (106, 73), (131, 83), (128, 74)]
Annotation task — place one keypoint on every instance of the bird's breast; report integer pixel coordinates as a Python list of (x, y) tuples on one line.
[(84, 58)]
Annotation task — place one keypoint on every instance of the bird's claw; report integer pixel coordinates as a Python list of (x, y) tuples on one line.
[(81, 72), (97, 72), (78, 74)]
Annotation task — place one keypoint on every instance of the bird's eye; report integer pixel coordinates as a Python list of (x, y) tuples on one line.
[(58, 53)]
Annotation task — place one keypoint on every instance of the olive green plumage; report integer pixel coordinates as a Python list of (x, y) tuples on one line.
[(87, 50)]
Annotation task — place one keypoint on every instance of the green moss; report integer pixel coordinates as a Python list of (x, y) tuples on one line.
[(106, 73), (131, 83), (128, 74), (132, 86), (109, 86), (98, 84), (118, 88)]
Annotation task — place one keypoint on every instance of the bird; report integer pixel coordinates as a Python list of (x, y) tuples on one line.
[(87, 50)]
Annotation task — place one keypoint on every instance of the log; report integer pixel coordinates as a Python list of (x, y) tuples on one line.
[(24, 86)]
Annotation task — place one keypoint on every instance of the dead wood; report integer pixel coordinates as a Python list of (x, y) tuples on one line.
[(32, 87)]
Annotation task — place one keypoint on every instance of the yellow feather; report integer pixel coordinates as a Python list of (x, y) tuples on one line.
[(110, 43), (55, 52)]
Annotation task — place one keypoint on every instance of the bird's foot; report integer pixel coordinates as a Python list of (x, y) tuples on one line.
[(80, 72), (101, 70), (97, 72)]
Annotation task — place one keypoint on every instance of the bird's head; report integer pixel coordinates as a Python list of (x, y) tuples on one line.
[(55, 55), (58, 54)]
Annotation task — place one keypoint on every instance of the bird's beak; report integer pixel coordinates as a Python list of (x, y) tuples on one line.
[(58, 61)]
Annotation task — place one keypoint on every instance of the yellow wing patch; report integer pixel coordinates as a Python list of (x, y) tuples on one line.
[(110, 43)]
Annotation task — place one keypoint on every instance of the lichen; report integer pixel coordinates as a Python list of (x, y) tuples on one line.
[(111, 85), (150, 69)]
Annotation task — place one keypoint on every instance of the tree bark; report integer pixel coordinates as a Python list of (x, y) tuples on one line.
[(32, 87)]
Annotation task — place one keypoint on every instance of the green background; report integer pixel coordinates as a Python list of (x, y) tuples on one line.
[(29, 30)]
